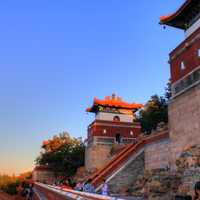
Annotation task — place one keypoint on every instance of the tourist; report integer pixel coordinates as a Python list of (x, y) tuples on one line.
[(79, 186), (197, 191), (27, 192), (104, 188), (65, 185), (31, 192), (88, 187)]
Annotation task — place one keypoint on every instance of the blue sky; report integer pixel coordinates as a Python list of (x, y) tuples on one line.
[(55, 56)]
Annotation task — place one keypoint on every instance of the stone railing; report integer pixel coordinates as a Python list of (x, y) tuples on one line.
[(48, 192)]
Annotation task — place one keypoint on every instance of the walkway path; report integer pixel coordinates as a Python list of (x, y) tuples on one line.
[(4, 196), (40, 195)]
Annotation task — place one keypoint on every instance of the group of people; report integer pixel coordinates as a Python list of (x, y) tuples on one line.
[(88, 187), (82, 186)]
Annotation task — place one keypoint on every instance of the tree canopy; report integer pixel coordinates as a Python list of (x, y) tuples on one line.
[(62, 154), (155, 111)]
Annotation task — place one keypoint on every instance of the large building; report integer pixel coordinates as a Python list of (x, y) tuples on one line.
[(184, 107), (113, 125)]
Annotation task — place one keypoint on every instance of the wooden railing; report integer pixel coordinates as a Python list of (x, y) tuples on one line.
[(48, 192)]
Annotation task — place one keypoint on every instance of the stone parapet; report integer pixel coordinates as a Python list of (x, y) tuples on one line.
[(58, 193)]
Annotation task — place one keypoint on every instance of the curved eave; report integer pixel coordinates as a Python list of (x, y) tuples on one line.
[(173, 19), (133, 106)]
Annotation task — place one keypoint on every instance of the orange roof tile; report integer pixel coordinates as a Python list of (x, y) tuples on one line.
[(114, 102)]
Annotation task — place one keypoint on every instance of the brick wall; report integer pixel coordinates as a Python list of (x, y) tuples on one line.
[(184, 120), (157, 155)]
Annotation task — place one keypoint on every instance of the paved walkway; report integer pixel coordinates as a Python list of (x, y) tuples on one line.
[(39, 194), (4, 196)]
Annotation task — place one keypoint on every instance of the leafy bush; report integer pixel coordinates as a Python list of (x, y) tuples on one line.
[(62, 154)]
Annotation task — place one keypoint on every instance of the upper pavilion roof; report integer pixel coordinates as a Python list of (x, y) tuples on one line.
[(184, 17), (113, 102)]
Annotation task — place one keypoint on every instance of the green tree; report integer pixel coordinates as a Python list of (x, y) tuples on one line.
[(168, 91), (9, 184), (62, 154), (154, 112)]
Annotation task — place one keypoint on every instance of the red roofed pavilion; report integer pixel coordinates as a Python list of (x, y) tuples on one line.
[(113, 125), (113, 103)]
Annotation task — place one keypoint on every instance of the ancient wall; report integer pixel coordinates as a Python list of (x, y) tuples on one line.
[(96, 156), (184, 122), (127, 175), (43, 176), (157, 154)]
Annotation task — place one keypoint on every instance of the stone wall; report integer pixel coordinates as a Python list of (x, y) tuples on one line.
[(96, 156), (184, 121), (157, 155), (44, 176), (127, 175)]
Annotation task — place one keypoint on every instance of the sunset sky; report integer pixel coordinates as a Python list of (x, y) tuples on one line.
[(55, 56)]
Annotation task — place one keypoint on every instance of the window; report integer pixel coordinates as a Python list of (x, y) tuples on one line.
[(198, 51), (182, 65), (131, 132), (116, 119), (104, 131)]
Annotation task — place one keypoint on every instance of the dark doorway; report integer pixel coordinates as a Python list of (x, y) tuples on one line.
[(118, 138)]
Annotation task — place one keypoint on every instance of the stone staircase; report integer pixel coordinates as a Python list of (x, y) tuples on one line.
[(112, 168), (116, 163)]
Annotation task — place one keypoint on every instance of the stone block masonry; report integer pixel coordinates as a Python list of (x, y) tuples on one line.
[(127, 175), (96, 156), (157, 155), (184, 121)]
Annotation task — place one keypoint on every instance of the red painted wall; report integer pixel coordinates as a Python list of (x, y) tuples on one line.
[(96, 129), (189, 56)]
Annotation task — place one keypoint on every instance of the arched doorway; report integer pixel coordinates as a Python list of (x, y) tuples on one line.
[(118, 138)]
